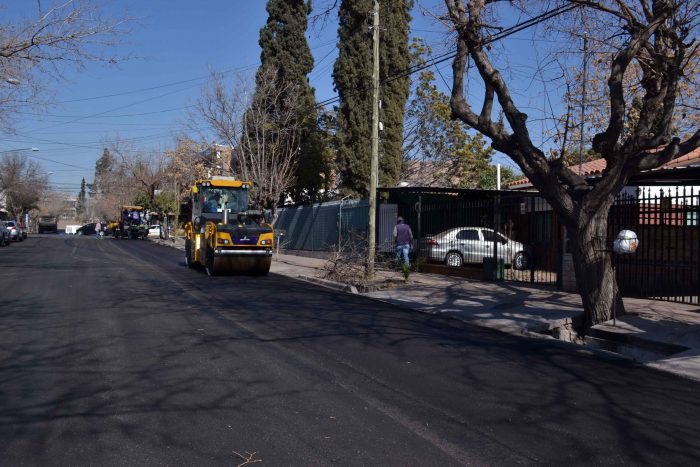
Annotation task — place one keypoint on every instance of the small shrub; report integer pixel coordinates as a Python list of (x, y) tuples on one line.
[(406, 271)]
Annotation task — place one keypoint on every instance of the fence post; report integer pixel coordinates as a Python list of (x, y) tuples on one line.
[(559, 239), (532, 236), (496, 222)]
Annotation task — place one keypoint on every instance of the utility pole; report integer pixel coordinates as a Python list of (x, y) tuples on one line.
[(583, 103), (374, 161)]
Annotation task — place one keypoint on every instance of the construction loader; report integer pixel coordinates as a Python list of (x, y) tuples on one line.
[(132, 223), (223, 235)]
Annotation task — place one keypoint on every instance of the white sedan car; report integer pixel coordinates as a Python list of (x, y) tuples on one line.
[(154, 231), (462, 245)]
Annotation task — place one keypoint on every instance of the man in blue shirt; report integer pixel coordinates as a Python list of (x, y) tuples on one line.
[(404, 239), (212, 204)]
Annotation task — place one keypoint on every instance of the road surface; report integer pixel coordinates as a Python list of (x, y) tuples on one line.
[(112, 352)]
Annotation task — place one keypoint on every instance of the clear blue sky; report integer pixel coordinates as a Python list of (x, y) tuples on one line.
[(173, 41)]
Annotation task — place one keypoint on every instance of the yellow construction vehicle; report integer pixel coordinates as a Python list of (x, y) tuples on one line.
[(132, 223), (223, 235)]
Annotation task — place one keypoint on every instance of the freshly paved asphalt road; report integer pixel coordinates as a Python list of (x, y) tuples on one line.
[(114, 353)]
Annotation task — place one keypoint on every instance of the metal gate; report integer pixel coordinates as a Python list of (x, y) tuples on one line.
[(491, 234), (666, 265)]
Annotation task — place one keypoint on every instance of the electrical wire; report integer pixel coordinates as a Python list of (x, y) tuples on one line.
[(535, 20)]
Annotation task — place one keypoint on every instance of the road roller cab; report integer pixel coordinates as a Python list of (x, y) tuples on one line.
[(223, 235)]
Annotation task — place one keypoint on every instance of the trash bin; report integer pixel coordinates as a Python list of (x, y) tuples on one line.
[(494, 270)]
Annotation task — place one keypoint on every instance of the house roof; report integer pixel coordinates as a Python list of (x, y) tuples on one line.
[(597, 167)]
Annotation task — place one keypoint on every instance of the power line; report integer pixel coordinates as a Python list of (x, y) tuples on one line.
[(453, 53), (57, 162), (176, 83), (103, 114), (112, 110), (81, 117)]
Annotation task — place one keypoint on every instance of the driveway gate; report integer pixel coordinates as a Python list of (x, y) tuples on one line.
[(510, 235), (666, 265)]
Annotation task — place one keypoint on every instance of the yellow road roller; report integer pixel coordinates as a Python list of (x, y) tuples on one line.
[(223, 235)]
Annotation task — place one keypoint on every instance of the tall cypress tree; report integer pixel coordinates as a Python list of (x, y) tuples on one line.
[(285, 49), (102, 168), (80, 205), (352, 76)]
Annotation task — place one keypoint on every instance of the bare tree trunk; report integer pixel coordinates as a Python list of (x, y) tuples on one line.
[(591, 249)]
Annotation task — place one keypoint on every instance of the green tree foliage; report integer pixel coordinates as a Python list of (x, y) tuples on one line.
[(143, 199), (439, 150), (80, 205), (285, 50), (168, 201), (314, 173), (352, 78), (103, 167)]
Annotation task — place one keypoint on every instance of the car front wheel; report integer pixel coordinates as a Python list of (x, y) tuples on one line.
[(454, 259)]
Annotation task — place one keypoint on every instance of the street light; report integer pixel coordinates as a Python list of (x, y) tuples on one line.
[(19, 149), (13, 81)]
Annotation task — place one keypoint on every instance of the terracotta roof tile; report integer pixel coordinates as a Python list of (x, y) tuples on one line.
[(693, 157), (597, 166)]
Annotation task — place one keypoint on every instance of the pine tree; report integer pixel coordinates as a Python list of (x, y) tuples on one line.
[(285, 50), (80, 205), (352, 77), (441, 151), (102, 168)]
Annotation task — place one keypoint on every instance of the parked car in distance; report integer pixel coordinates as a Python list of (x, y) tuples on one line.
[(154, 231), (23, 231), (87, 229), (4, 234), (47, 224), (470, 245), (15, 231)]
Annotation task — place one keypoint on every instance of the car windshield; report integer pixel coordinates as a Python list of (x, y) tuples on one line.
[(213, 199)]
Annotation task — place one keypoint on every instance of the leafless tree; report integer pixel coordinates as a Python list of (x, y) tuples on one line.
[(52, 203), (67, 32), (186, 164), (142, 172), (265, 142), (654, 35), (22, 184)]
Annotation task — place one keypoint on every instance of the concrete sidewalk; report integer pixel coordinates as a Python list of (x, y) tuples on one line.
[(662, 335)]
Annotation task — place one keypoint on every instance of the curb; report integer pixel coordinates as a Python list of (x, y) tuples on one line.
[(292, 263), (339, 286), (171, 244)]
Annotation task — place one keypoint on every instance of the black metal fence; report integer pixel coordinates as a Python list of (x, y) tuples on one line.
[(666, 265), (515, 236), (507, 235)]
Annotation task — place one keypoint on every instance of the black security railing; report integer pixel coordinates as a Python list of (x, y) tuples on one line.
[(515, 236), (502, 235), (666, 265)]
